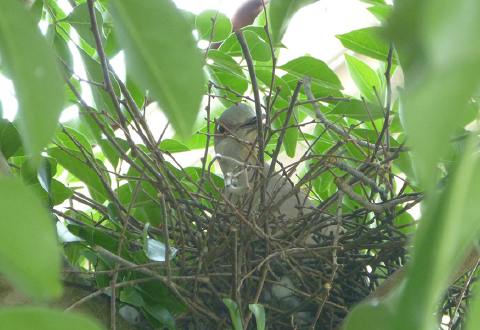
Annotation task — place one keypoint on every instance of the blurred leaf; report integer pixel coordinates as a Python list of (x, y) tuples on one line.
[(443, 79), (79, 19), (204, 22), (367, 41), (281, 12), (151, 30), (9, 138), (26, 229), (41, 318), (364, 78), (381, 13), (319, 71), (60, 46), (36, 77)]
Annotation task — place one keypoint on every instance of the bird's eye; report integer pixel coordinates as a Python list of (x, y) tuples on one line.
[(221, 129)]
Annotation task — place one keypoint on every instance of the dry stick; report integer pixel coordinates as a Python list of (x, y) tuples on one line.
[(193, 307), (462, 293), (205, 155), (284, 130), (274, 65), (214, 20), (339, 225), (113, 282), (166, 238), (258, 106), (327, 123), (103, 62)]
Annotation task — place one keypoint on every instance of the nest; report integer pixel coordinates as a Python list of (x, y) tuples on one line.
[(305, 276)]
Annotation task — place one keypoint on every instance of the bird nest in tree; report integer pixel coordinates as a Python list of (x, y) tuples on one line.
[(303, 274), (349, 234)]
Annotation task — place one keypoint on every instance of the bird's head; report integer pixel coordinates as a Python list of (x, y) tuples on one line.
[(238, 120)]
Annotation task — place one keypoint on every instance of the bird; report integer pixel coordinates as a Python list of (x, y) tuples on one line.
[(235, 134), (234, 139)]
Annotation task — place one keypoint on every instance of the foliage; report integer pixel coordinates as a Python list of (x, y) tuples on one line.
[(164, 239)]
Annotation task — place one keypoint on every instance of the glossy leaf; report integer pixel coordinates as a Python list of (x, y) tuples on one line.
[(26, 229), (151, 30), (36, 77)]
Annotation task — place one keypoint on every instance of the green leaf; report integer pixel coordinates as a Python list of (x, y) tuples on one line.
[(319, 71), (281, 12), (224, 79), (442, 80), (81, 171), (234, 313), (225, 61), (259, 312), (151, 30), (100, 95), (161, 314), (173, 146), (40, 318), (65, 141), (364, 78), (79, 19), (26, 229), (60, 46), (355, 109), (36, 77), (204, 23), (258, 47), (9, 138), (367, 41), (381, 13)]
